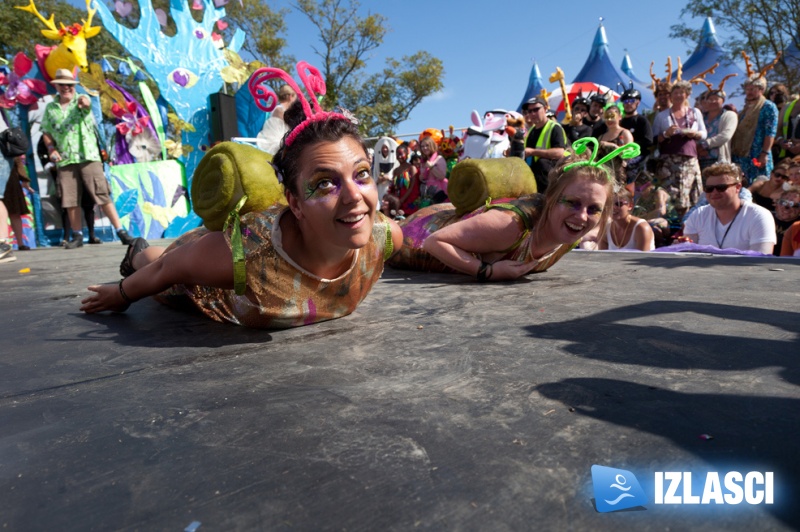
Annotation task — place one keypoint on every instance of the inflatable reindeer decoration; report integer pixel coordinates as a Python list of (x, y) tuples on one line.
[(72, 48)]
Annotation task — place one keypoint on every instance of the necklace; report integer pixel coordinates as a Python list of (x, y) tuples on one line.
[(719, 244), (620, 242)]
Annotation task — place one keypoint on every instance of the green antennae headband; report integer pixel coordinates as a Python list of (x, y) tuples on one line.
[(628, 151)]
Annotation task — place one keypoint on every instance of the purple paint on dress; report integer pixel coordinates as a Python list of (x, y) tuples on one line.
[(420, 225), (312, 313)]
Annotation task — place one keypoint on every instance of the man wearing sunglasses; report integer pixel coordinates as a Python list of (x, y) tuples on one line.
[(727, 222), (69, 133), (634, 122), (544, 142)]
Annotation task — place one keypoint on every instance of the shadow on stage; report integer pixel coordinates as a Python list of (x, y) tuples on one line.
[(750, 432)]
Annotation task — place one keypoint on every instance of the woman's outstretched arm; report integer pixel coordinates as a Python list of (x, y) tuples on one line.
[(490, 232), (207, 262)]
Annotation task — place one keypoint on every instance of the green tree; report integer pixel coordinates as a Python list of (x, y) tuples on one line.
[(264, 29), (762, 28), (381, 100)]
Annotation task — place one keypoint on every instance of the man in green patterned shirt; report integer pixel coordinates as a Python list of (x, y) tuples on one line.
[(69, 134)]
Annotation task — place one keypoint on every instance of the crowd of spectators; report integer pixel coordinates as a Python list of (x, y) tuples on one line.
[(708, 174)]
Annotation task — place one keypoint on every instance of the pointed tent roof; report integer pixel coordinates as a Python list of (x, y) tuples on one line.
[(708, 52), (535, 86), (627, 68), (792, 54), (599, 68)]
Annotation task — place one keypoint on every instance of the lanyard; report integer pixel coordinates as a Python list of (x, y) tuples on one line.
[(719, 244)]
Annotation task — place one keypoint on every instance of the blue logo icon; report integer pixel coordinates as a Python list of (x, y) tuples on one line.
[(616, 489)]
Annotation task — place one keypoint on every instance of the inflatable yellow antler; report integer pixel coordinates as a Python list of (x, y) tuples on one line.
[(558, 76)]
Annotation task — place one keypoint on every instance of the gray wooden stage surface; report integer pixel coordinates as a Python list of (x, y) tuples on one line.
[(440, 404)]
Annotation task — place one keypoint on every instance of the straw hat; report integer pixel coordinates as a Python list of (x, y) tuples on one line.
[(64, 77)]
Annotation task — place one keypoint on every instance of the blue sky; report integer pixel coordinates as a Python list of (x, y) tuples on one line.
[(488, 48)]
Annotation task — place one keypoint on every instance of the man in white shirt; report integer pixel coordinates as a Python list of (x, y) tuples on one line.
[(727, 221)]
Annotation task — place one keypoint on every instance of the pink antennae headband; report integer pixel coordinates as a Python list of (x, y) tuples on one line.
[(266, 99)]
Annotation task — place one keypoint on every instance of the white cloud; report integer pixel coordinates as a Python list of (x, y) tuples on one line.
[(440, 96)]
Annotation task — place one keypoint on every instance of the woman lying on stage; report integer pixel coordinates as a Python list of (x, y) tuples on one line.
[(314, 260), (508, 239)]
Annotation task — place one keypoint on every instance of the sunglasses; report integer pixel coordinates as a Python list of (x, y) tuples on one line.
[(719, 188), (781, 176), (533, 110), (577, 206), (788, 203), (629, 100)]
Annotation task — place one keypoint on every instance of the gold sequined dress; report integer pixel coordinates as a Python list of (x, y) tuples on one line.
[(427, 221), (280, 294)]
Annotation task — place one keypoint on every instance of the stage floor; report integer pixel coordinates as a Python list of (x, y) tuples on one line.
[(441, 404)]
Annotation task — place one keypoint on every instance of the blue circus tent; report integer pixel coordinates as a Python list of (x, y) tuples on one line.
[(535, 86), (791, 54), (627, 69), (708, 52), (599, 68)]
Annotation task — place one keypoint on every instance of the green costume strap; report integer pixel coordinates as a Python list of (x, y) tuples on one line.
[(526, 221), (237, 248), (388, 248)]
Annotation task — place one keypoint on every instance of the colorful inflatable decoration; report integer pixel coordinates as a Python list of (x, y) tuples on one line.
[(249, 117), (699, 77), (17, 89), (557, 103), (137, 138), (450, 148), (186, 66), (94, 82), (129, 122), (499, 141), (478, 137), (71, 50), (558, 76), (435, 134), (666, 83), (149, 196)]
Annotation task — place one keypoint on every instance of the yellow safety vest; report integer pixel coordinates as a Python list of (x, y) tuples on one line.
[(787, 119), (543, 142)]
